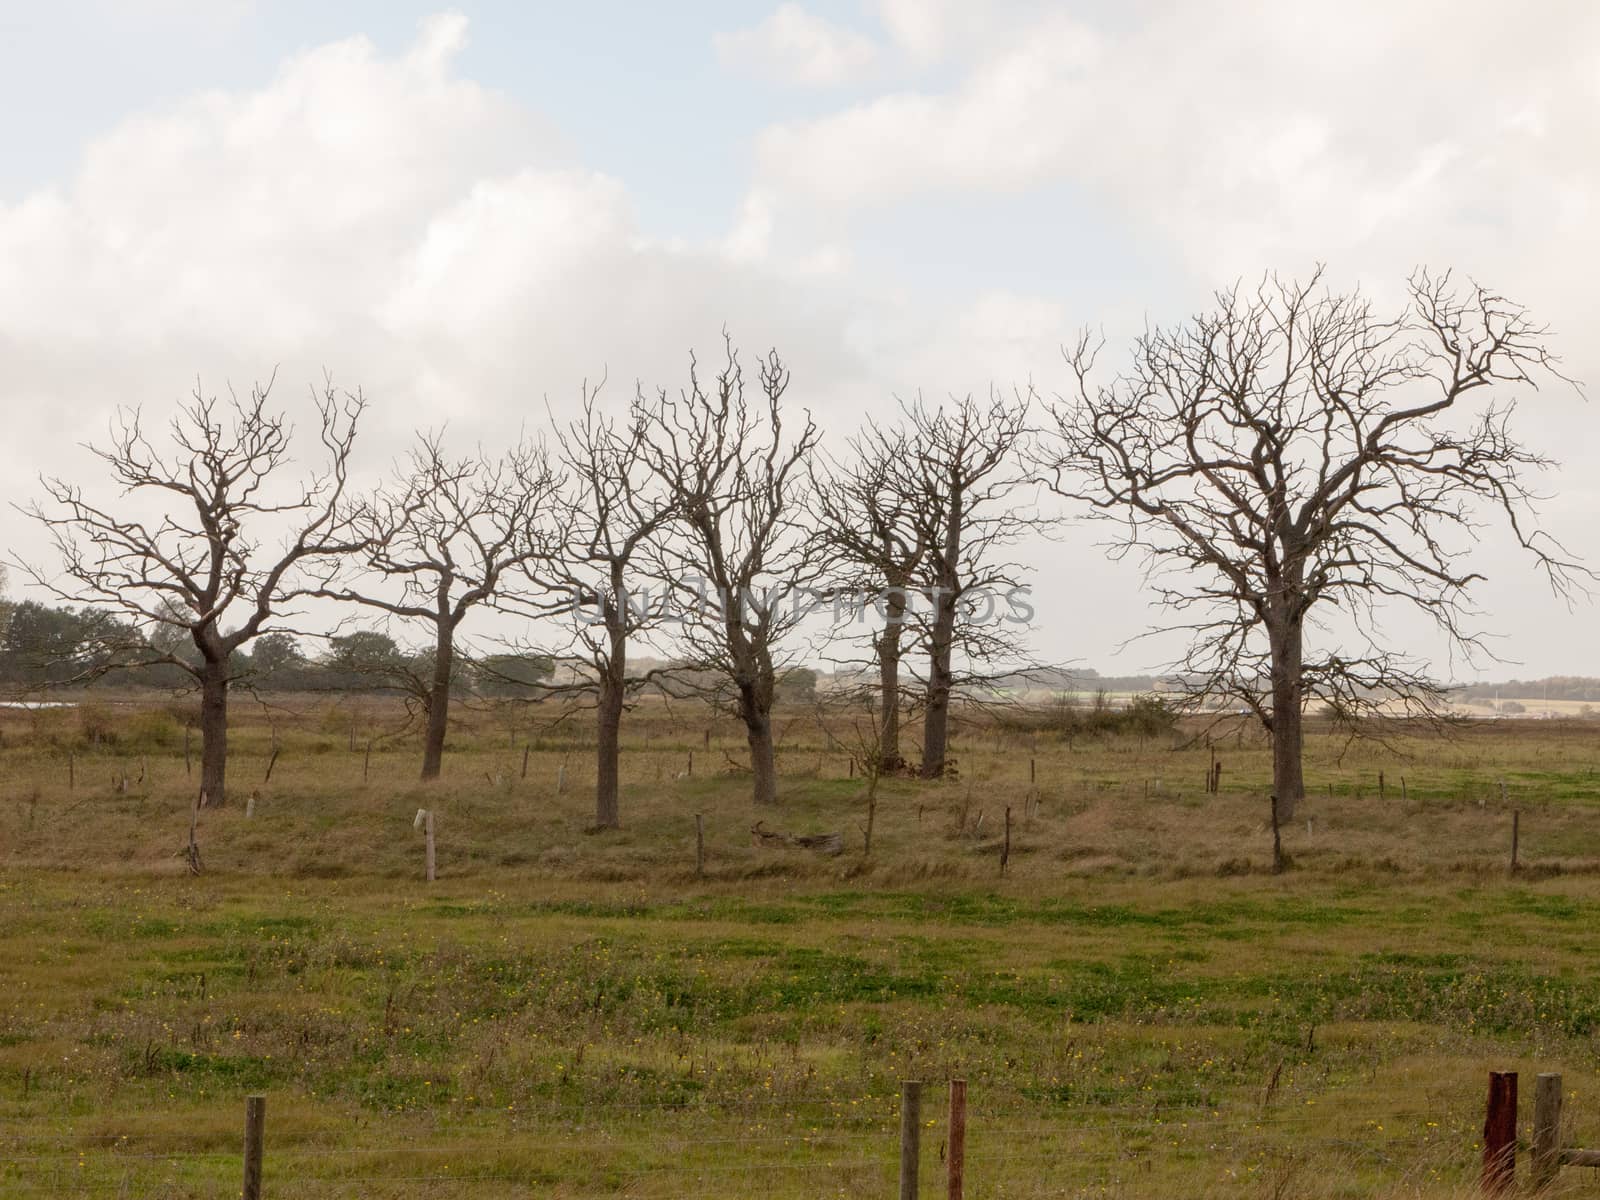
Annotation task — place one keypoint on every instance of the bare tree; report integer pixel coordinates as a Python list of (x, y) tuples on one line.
[(849, 722), (868, 519), (964, 469), (1294, 454), (439, 543), (746, 566), (197, 571), (613, 510)]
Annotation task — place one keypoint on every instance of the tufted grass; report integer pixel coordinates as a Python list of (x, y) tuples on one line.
[(1139, 1006)]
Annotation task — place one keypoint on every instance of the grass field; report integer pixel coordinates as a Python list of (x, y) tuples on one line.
[(1139, 1005)]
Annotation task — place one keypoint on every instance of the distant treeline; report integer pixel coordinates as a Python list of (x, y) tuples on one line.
[(47, 647), (1579, 688), (43, 646), (1092, 681), (1086, 681)]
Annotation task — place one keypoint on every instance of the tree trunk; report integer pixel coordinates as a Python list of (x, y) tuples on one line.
[(1288, 778), (444, 655), (936, 724), (214, 731), (608, 729), (889, 760), (758, 732)]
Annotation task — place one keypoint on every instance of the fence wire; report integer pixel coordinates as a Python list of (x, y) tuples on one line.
[(623, 1151)]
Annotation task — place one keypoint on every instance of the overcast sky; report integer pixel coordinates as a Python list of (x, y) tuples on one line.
[(467, 211)]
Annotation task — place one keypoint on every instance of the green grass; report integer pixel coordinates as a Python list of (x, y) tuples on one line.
[(1139, 1006)]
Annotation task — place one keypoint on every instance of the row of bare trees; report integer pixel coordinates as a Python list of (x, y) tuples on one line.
[(1292, 454), (698, 518)]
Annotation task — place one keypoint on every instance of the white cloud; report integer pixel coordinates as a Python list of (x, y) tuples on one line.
[(920, 28), (1261, 136), (751, 236), (1009, 124), (482, 261), (417, 235), (255, 218), (929, 33), (1280, 132), (797, 46), (433, 241), (378, 215)]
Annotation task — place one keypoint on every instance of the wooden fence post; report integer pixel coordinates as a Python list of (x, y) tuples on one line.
[(1546, 1130), (910, 1137), (192, 851), (255, 1119), (1005, 847), (690, 772), (366, 762), (1500, 1133), (956, 1158)]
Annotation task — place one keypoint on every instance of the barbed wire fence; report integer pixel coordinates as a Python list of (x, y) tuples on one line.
[(804, 1146)]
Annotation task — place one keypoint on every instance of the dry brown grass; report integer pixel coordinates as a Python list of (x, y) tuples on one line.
[(1141, 1008)]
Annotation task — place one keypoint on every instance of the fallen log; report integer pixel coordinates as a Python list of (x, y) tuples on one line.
[(830, 844)]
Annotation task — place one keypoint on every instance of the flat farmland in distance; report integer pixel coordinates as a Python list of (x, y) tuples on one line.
[(1140, 1006)]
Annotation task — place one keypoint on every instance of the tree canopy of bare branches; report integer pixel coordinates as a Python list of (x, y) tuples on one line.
[(199, 568), (744, 572), (439, 543), (1295, 453), (613, 512), (963, 472), (866, 516)]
